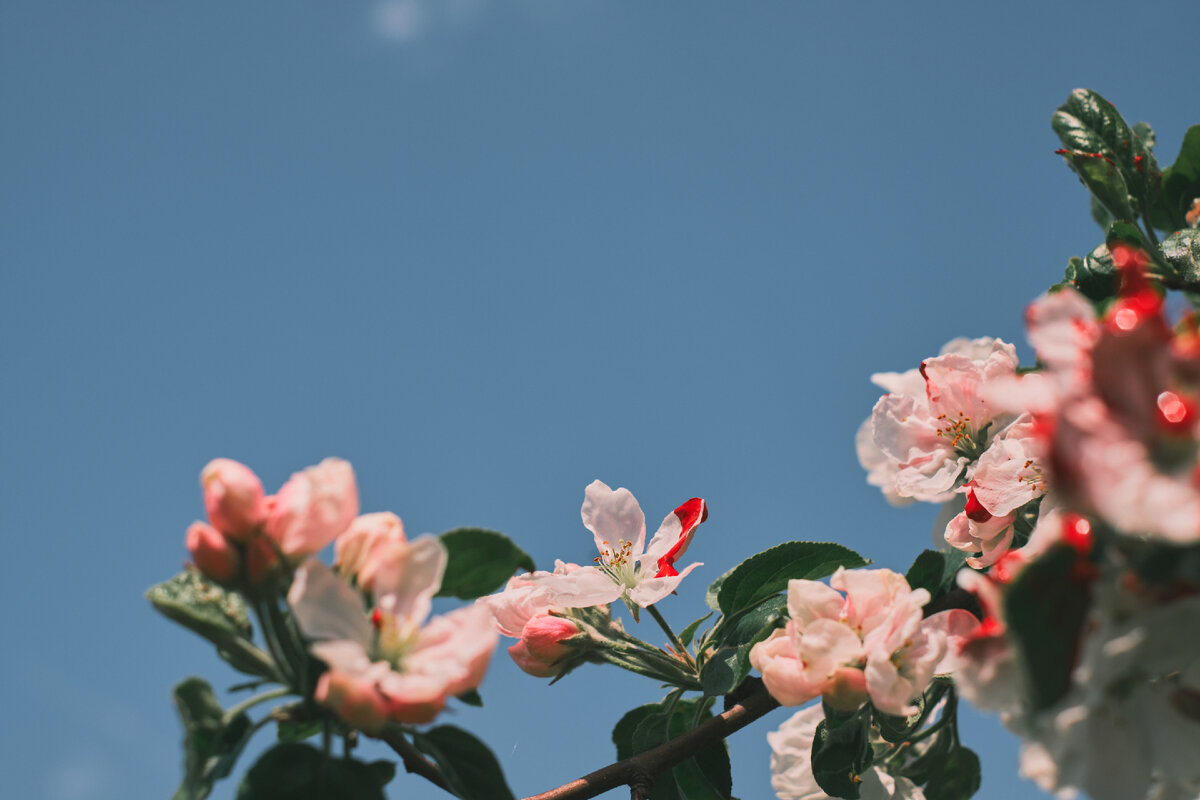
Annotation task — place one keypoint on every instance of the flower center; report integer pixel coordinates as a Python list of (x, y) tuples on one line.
[(618, 561), (393, 639)]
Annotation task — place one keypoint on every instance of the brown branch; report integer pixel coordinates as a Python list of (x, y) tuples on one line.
[(638, 772), (413, 760)]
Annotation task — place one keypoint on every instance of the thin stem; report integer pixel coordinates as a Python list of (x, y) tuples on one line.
[(251, 702), (412, 758), (676, 644), (274, 646), (636, 771)]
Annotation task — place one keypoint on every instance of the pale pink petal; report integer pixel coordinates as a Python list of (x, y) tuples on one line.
[(826, 646), (585, 587), (326, 607), (782, 671), (957, 626), (613, 515), (365, 532), (890, 691), (649, 591), (407, 576), (456, 648), (812, 600), (313, 507)]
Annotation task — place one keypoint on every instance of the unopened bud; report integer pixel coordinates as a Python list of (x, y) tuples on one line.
[(212, 552), (542, 648), (233, 497), (313, 507)]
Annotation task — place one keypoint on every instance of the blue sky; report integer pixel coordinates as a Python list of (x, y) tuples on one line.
[(490, 251)]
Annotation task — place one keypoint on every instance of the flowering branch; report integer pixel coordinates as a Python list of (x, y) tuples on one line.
[(639, 772)]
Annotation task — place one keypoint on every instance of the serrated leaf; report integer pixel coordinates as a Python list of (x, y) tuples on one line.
[(480, 562), (467, 764), (294, 771), (768, 572), (958, 779), (211, 743), (1182, 251), (218, 615), (1099, 143), (1180, 185), (1045, 607)]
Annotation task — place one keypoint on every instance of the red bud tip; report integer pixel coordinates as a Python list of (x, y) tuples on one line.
[(975, 510)]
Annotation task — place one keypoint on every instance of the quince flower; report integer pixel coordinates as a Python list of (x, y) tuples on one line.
[(622, 570), (860, 637), (386, 666)]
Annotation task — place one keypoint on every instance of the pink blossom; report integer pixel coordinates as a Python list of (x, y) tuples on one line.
[(212, 553), (623, 570), (312, 508), (388, 666), (525, 610), (861, 636), (233, 497), (935, 422)]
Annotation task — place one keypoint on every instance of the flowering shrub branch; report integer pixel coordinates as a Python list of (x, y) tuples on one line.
[(1065, 599)]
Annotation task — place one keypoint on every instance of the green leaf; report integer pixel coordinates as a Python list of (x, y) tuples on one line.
[(1180, 185), (768, 572), (1045, 608), (1095, 275), (1100, 214), (471, 697), (219, 616), (705, 776), (840, 754), (714, 588), (298, 731), (1122, 232), (1182, 252), (294, 771), (481, 561), (211, 743), (686, 635), (729, 665), (1143, 131), (466, 763), (958, 779), (1109, 158), (926, 571)]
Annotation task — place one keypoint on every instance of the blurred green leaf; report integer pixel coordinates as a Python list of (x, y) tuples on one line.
[(768, 572), (218, 615), (1095, 275), (471, 697), (729, 665), (467, 764), (211, 743), (481, 561), (298, 731), (1045, 607), (958, 779), (1180, 185), (841, 753), (294, 771), (1100, 214)]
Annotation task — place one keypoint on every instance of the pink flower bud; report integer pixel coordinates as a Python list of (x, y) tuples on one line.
[(212, 553), (354, 547), (233, 497), (313, 507), (543, 647)]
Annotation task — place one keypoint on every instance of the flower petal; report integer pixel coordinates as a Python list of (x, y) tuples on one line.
[(613, 515), (326, 607)]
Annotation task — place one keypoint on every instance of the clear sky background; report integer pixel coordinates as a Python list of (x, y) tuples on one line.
[(489, 251)]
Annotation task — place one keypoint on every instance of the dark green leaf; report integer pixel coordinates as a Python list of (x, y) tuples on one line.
[(730, 664), (467, 764), (686, 635), (294, 771), (1109, 158), (622, 734), (841, 754), (1045, 607), (1095, 276), (1143, 131), (1180, 185), (768, 573), (298, 731), (219, 616), (211, 744), (958, 779), (926, 571), (706, 776), (481, 561), (1182, 252), (471, 697), (652, 731), (1121, 232), (1100, 214)]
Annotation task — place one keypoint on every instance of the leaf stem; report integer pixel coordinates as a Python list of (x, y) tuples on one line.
[(676, 644), (250, 702)]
